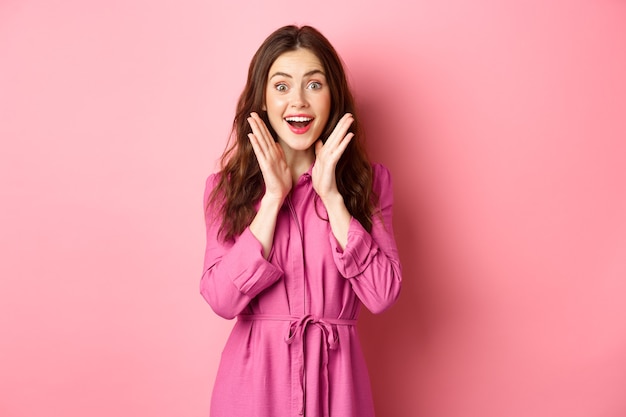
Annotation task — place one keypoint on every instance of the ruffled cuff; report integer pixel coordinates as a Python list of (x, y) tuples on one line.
[(249, 271), (358, 253)]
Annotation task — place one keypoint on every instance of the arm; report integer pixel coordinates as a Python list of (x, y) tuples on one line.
[(277, 178), (324, 181), (370, 260), (234, 272)]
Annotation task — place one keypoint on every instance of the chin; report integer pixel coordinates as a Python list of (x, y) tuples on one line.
[(297, 142), (300, 146)]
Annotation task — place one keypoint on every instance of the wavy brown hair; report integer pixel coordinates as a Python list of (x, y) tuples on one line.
[(240, 185)]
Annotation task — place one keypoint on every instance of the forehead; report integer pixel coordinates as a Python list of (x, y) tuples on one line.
[(296, 62)]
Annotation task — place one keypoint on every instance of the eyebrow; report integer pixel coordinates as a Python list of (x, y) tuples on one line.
[(308, 74)]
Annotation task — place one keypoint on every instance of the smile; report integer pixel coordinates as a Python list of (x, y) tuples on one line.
[(299, 124)]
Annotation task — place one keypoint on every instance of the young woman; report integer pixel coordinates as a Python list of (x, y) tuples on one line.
[(299, 235)]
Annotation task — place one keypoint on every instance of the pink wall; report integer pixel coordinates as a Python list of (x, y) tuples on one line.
[(504, 126)]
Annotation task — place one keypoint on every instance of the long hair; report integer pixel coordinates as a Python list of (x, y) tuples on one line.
[(240, 184)]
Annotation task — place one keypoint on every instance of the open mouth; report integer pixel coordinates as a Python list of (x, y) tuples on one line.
[(299, 122)]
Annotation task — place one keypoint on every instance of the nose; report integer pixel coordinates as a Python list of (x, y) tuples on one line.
[(298, 99)]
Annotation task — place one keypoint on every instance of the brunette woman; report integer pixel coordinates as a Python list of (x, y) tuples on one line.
[(299, 236)]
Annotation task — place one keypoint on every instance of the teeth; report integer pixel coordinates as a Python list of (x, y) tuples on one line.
[(298, 119)]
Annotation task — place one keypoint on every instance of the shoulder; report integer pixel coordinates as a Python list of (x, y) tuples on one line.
[(381, 185), (210, 184), (381, 177), (213, 179)]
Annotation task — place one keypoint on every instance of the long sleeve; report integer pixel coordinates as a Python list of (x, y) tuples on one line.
[(370, 260), (234, 272)]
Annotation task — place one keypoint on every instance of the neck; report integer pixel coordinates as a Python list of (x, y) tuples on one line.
[(299, 162)]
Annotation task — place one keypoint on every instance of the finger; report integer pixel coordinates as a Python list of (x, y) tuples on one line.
[(260, 140), (258, 151), (339, 134), (334, 154), (253, 121), (261, 128), (341, 129), (345, 121), (267, 150), (343, 144)]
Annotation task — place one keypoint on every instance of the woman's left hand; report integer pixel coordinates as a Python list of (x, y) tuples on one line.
[(327, 155)]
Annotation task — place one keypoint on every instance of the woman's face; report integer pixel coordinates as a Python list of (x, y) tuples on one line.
[(297, 99)]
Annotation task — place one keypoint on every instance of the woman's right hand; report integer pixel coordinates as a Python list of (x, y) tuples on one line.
[(277, 178), (271, 158)]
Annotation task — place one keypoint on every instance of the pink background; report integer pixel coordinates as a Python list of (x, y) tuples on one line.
[(503, 123)]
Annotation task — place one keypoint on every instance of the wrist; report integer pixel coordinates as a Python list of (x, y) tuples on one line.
[(334, 199), (271, 201)]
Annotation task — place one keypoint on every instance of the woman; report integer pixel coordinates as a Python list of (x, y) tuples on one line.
[(299, 234)]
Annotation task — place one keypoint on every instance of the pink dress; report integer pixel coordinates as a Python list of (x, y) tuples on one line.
[(294, 349)]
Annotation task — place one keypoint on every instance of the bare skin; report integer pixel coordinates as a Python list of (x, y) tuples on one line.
[(297, 87), (279, 178)]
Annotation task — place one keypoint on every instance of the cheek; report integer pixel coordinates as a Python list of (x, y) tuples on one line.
[(326, 106), (274, 105), (326, 109), (274, 113)]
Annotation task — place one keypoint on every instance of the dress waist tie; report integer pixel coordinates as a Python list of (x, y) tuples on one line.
[(296, 337)]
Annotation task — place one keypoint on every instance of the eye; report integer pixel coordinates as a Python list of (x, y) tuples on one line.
[(282, 87), (315, 85)]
